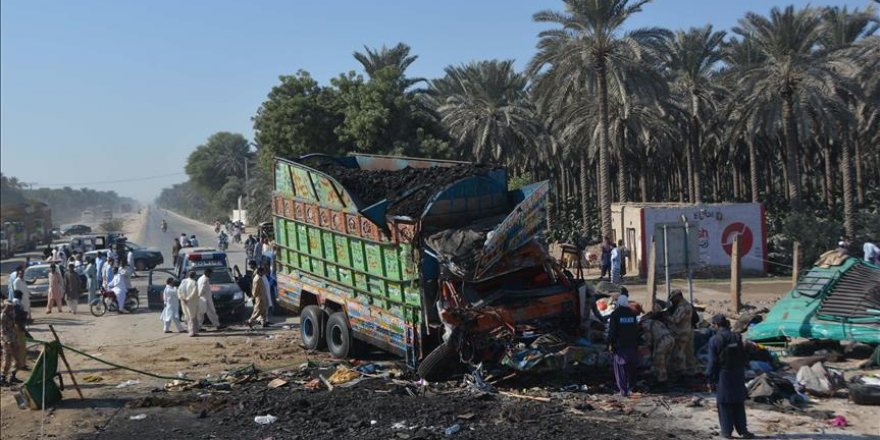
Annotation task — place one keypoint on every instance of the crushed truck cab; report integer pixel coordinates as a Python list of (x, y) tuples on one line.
[(409, 255)]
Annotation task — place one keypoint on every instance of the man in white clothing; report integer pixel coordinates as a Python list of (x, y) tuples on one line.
[(130, 260), (188, 292), (21, 285), (10, 289), (204, 286), (118, 285), (872, 252)]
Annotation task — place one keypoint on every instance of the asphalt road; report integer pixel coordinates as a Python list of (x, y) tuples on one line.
[(153, 237)]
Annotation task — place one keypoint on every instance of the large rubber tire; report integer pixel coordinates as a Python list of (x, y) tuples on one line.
[(439, 364), (140, 266), (98, 307), (338, 336), (862, 394), (132, 303), (311, 328)]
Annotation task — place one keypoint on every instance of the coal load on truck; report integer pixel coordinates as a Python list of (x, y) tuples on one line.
[(411, 186)]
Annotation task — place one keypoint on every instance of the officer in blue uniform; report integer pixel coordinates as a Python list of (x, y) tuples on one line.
[(726, 373)]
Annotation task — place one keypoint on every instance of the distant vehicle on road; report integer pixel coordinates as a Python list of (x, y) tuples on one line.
[(75, 229), (86, 243)]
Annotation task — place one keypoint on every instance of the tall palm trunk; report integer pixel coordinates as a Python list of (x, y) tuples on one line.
[(583, 184), (846, 175), (829, 176), (621, 168), (690, 172), (753, 169), (605, 187), (791, 150), (643, 179), (860, 188), (695, 164)]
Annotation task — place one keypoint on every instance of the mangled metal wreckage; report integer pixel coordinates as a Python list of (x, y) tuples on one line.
[(431, 260), (838, 299)]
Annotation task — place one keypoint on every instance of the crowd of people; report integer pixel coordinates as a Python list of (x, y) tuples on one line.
[(669, 334)]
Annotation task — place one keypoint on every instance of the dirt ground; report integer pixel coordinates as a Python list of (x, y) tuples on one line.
[(400, 409)]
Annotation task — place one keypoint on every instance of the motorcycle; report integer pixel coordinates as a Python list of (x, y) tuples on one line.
[(107, 302), (164, 226), (222, 242)]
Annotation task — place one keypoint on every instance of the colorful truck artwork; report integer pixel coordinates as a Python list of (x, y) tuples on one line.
[(355, 262)]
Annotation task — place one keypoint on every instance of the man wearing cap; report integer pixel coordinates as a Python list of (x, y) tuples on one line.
[(680, 324), (726, 373), (623, 342)]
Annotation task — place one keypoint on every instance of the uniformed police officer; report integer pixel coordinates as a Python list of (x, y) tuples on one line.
[(726, 373)]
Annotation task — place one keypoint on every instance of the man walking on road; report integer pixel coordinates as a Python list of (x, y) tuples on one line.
[(188, 292), (72, 288), (56, 289), (261, 299), (726, 373), (204, 286)]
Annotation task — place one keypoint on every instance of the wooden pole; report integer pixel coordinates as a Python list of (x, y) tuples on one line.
[(652, 275), (64, 359), (736, 274), (796, 263)]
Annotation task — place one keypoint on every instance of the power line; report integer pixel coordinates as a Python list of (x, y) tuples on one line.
[(135, 179)]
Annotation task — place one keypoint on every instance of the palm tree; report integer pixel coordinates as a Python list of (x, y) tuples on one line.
[(691, 58), (484, 105), (397, 57), (791, 70), (843, 29), (586, 48)]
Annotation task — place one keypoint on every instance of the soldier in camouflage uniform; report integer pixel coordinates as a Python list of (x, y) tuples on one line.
[(681, 325), (657, 336), (10, 341)]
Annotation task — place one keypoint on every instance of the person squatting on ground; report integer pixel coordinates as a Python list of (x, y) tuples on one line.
[(261, 299), (188, 292), (72, 288), (55, 293), (623, 342), (204, 287), (658, 337), (726, 372), (680, 321), (171, 311)]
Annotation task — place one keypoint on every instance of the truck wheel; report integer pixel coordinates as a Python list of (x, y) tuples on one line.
[(311, 327), (339, 341), (139, 265), (438, 364)]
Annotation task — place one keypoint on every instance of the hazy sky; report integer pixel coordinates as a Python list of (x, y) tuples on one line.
[(94, 92)]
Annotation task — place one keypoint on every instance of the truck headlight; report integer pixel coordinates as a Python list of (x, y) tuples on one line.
[(238, 296)]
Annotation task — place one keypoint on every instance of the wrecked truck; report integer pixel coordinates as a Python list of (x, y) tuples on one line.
[(432, 260)]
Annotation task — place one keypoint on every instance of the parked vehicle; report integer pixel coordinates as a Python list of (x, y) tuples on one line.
[(428, 272), (229, 300), (37, 278), (144, 258), (75, 229), (87, 243)]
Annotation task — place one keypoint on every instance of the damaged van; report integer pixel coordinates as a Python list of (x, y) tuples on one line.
[(435, 261)]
